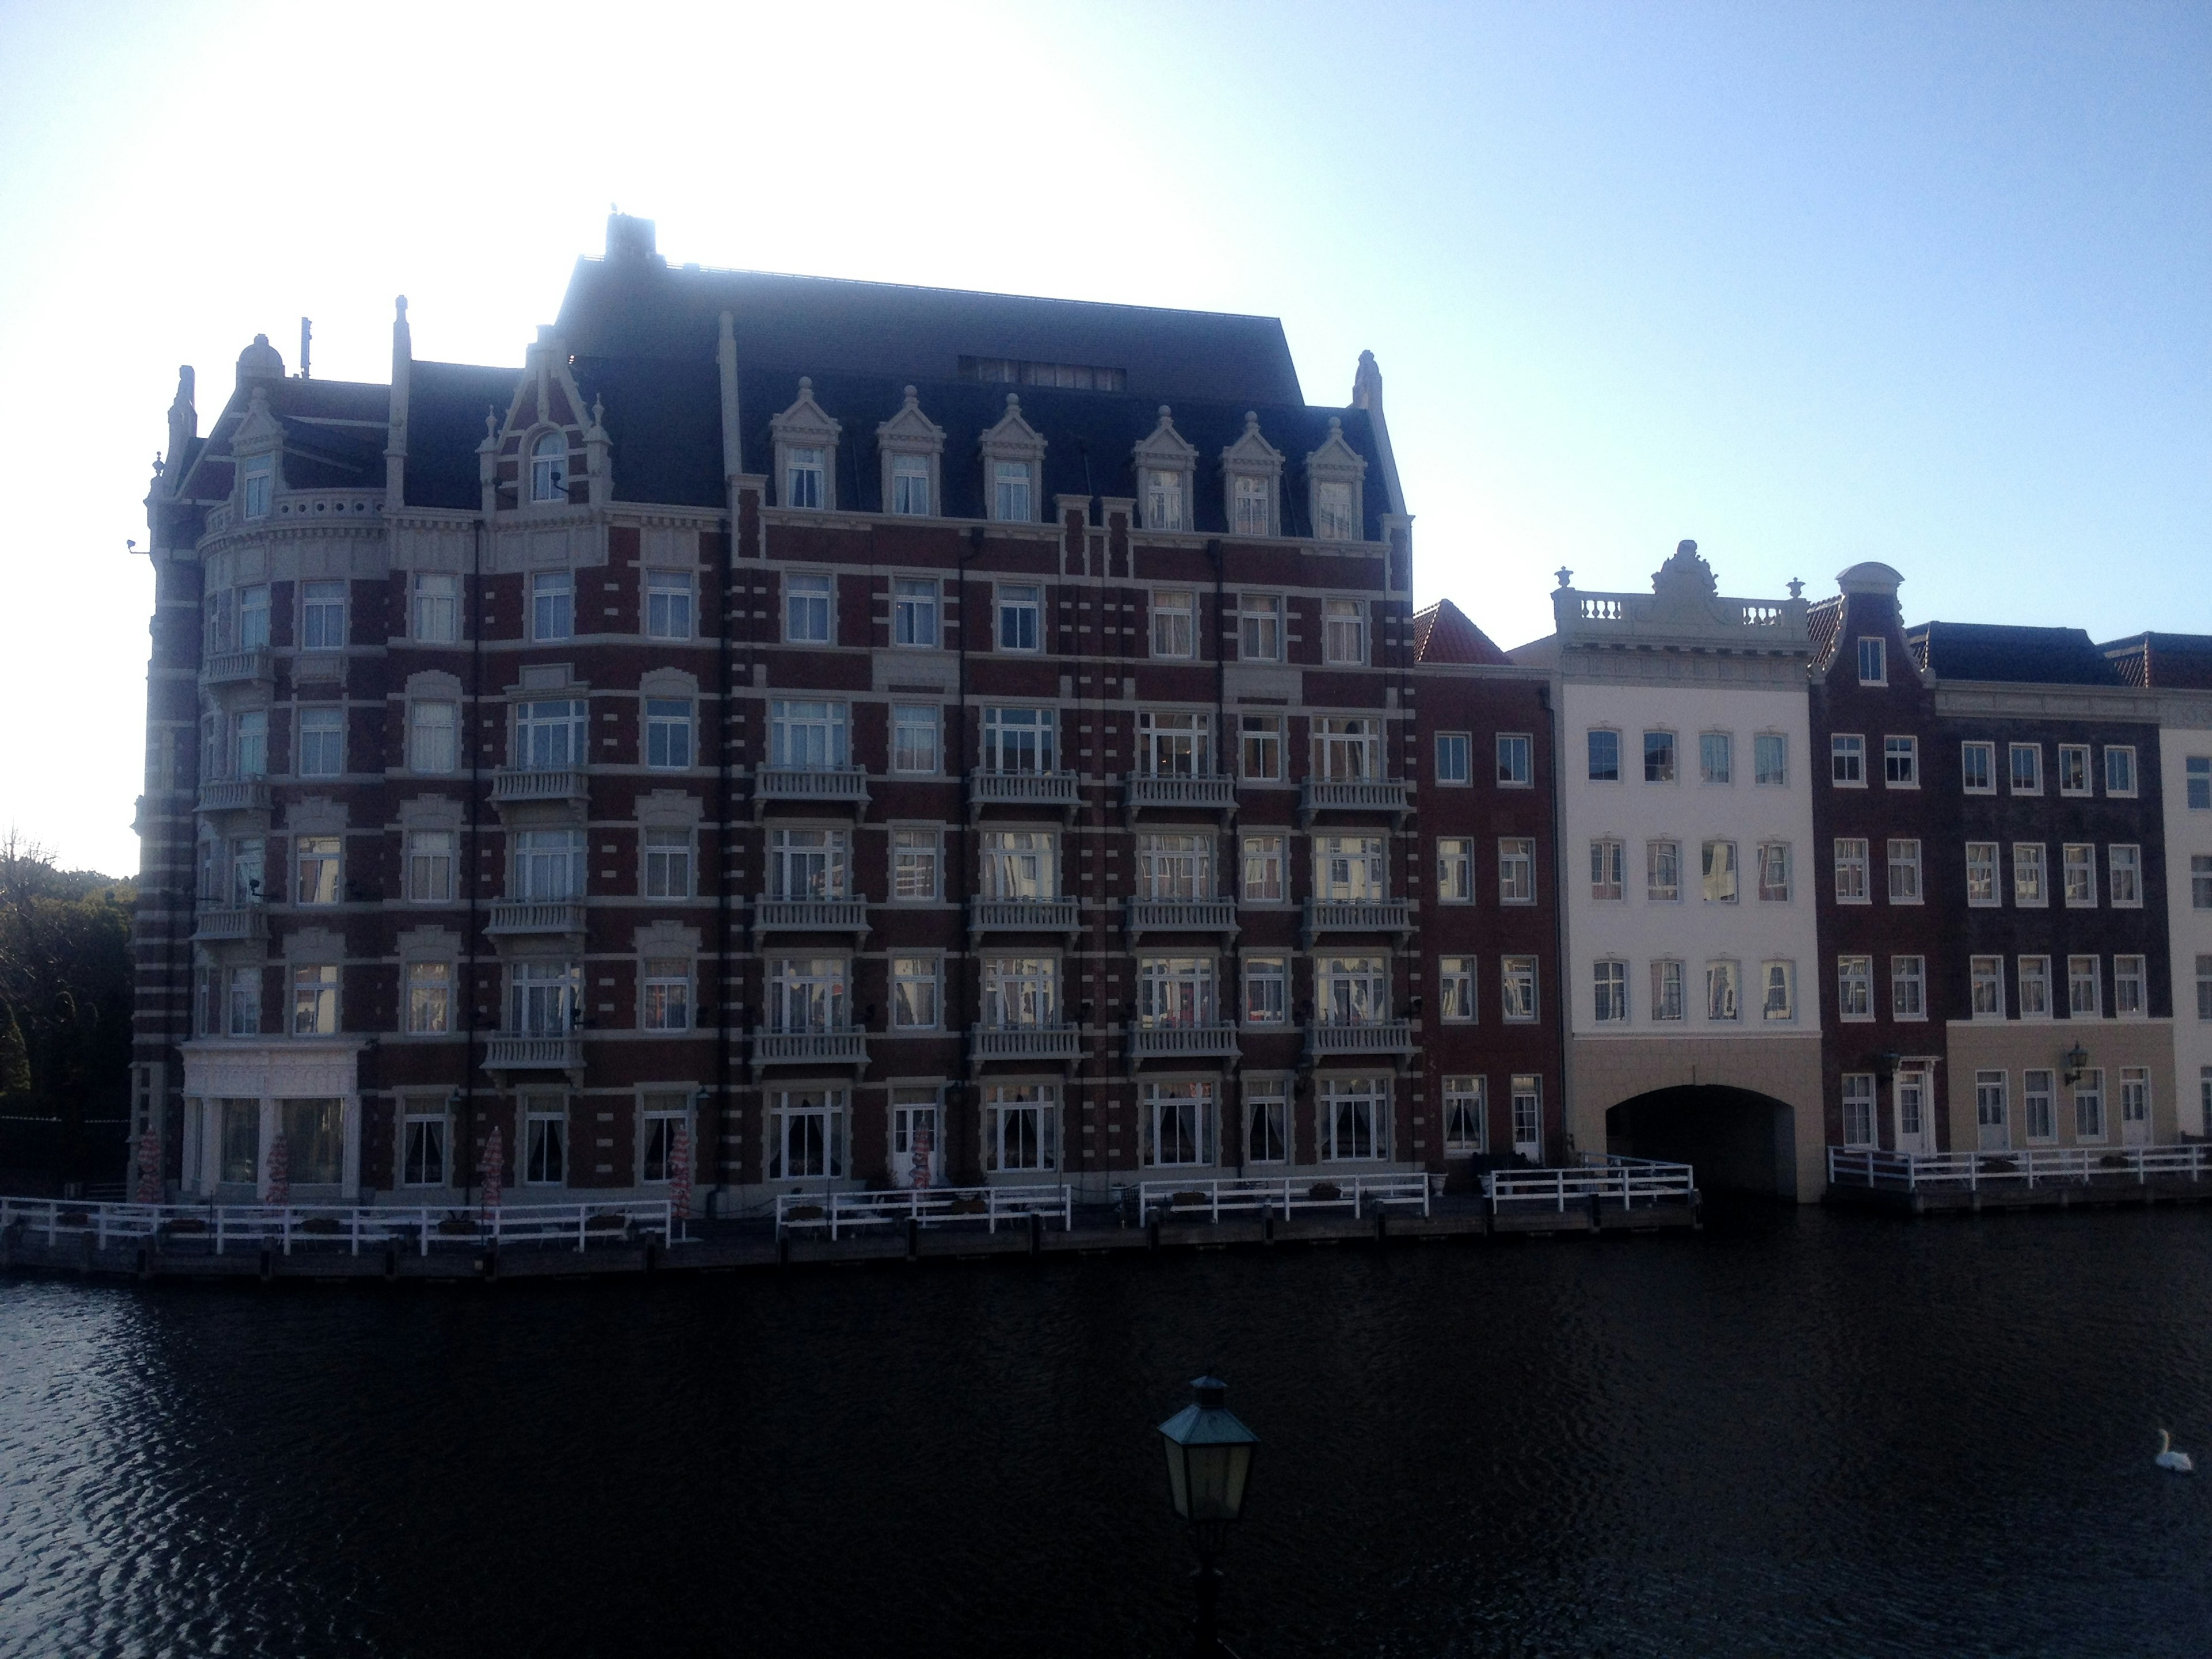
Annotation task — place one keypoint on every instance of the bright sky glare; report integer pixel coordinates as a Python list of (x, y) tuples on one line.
[(1811, 284)]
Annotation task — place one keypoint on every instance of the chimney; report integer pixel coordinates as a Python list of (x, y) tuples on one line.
[(307, 333), (630, 239)]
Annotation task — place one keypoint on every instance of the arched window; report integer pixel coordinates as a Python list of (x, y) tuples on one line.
[(549, 468)]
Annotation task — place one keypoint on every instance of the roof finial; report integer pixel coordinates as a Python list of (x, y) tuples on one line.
[(1797, 588), (1566, 576), (598, 411)]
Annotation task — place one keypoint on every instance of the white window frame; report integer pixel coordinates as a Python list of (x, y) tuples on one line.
[(1901, 761), (434, 618), (1977, 756), (1874, 660), (1847, 760), (1854, 858), (1259, 630), (917, 607), (2076, 777), (671, 604), (1454, 758), (552, 606), (917, 740), (1517, 760), (810, 607)]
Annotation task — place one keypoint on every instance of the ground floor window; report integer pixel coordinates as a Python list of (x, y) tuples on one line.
[(2135, 1104), (1355, 1118), (1267, 1121), (806, 1134), (1858, 1108), (1021, 1126), (1529, 1115), (1177, 1123), (314, 1140), (662, 1119), (544, 1141), (240, 1143), (2089, 1106), (423, 1149), (2038, 1099), (917, 1141), (1466, 1109)]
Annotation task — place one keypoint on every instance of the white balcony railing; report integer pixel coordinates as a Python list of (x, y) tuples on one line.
[(236, 921), (536, 916), (1060, 1041), (520, 783), (2027, 1166), (1357, 916), (1606, 1177), (925, 1206), (1182, 916), (1210, 793), (235, 667), (1382, 1037), (1058, 789), (1353, 795), (214, 1228), (846, 786), (1209, 1200), (1058, 915), (234, 795), (1178, 1042), (774, 916), (524, 1052), (845, 1047)]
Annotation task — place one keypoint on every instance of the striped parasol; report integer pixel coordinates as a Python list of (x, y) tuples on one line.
[(494, 1154), (280, 1171), (679, 1175), (149, 1168)]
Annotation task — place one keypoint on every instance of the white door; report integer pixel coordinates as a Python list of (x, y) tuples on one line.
[(2135, 1107), (1915, 1129), (1989, 1114), (917, 1153)]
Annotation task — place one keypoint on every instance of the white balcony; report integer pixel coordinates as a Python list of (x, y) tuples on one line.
[(234, 795), (1056, 1043), (1317, 795), (1390, 1037), (525, 783), (1182, 916), (1394, 916), (1182, 1042), (1060, 916), (512, 916), (1055, 789), (844, 1047), (842, 786), (235, 667), (515, 1051), (1197, 794), (774, 915), (239, 921)]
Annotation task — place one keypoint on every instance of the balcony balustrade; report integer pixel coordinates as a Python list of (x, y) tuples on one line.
[(517, 1051), (1210, 793), (1058, 1041), (1182, 916), (840, 1046), (1182, 1042), (512, 916), (234, 795), (235, 922), (1392, 1037), (810, 915), (511, 784), (1058, 915), (1056, 789), (1356, 916), (842, 786), (236, 667), (1317, 795)]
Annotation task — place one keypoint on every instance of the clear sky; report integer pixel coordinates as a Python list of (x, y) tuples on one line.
[(1811, 283)]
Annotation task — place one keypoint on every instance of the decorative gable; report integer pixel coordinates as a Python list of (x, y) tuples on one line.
[(1335, 475), (1167, 471), (1252, 484), (550, 452), (912, 446), (806, 439), (258, 445), (1013, 466)]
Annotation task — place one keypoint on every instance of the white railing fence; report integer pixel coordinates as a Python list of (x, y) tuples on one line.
[(1284, 1196), (1606, 1177), (930, 1206), (220, 1226), (2027, 1166)]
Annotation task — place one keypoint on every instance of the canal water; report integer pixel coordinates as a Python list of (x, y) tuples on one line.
[(1793, 1434)]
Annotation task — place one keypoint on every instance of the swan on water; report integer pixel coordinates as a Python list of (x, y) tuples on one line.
[(2180, 1462)]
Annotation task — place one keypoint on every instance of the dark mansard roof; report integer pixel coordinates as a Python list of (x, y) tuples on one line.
[(2163, 660), (1989, 651)]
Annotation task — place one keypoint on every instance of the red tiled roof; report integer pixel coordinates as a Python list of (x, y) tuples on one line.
[(1444, 633)]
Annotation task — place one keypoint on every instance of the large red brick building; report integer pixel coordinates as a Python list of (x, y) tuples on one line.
[(842, 729)]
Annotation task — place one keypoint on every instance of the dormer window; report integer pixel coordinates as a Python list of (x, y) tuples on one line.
[(1252, 475), (802, 477), (910, 485), (1333, 511), (912, 447), (1874, 661), (1166, 468), (549, 468), (1164, 499), (260, 475), (1335, 472), (1251, 510), (806, 453), (1013, 466)]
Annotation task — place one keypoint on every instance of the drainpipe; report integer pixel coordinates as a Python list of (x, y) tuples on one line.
[(475, 737), (1561, 966), (958, 989), (1221, 742), (725, 831)]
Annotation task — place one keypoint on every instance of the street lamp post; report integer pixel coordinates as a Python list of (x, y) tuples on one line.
[(1209, 1461)]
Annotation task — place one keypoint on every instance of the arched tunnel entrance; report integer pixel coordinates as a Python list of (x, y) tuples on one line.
[(1739, 1139)]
